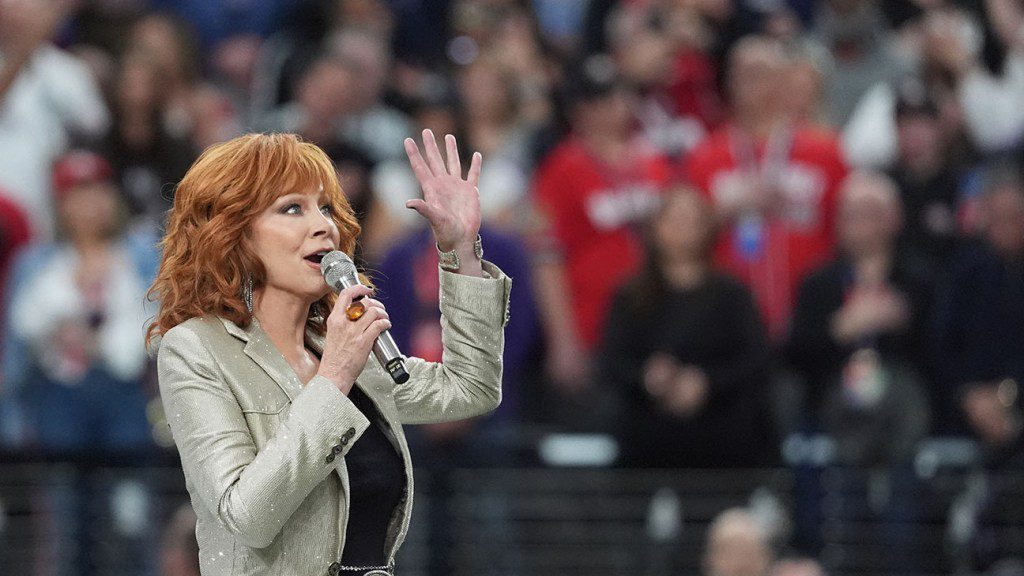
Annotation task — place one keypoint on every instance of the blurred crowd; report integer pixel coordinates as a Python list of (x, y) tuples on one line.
[(728, 221)]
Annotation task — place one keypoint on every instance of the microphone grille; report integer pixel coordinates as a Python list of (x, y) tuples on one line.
[(336, 265)]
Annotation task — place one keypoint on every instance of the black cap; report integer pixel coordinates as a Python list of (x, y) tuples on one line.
[(913, 98)]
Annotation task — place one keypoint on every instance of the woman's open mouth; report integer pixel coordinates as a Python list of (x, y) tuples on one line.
[(315, 258)]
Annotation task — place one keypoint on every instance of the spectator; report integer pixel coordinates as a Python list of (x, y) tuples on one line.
[(870, 135), (980, 312), (593, 189), (927, 175), (995, 545), (485, 106), (191, 107), (810, 64), (991, 105), (664, 50), (495, 127), (147, 158), (339, 99), (286, 55), (47, 99), (169, 43), (686, 353), (371, 124), (324, 95), (77, 313), (392, 184), (859, 332), (737, 545), (773, 183), (509, 33), (234, 73), (858, 37)]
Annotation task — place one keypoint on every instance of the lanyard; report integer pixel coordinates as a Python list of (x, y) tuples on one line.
[(766, 172)]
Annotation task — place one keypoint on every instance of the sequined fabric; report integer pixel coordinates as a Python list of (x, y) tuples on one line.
[(264, 456)]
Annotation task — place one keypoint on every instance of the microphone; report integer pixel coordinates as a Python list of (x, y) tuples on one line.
[(340, 272)]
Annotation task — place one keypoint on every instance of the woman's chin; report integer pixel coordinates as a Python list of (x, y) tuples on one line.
[(317, 295)]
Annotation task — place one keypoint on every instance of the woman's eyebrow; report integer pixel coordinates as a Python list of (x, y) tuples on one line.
[(290, 197)]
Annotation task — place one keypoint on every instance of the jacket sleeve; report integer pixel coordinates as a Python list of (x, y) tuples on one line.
[(252, 493), (467, 381)]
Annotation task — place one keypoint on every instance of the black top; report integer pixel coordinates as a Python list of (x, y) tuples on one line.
[(813, 352), (376, 475), (930, 214), (714, 326), (979, 315)]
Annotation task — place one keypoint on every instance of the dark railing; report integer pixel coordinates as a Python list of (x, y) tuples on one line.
[(105, 517)]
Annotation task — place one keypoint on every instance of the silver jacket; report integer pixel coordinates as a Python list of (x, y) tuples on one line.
[(264, 456)]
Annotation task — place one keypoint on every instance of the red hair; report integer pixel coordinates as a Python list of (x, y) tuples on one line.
[(206, 257)]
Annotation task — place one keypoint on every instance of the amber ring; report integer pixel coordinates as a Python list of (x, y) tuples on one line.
[(355, 311)]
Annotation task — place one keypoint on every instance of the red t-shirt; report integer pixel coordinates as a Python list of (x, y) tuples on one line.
[(773, 255), (592, 211), (15, 232)]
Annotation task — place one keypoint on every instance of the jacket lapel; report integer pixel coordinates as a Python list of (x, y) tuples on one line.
[(262, 351), (259, 347)]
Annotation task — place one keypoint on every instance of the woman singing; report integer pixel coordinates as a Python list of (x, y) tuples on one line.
[(291, 441)]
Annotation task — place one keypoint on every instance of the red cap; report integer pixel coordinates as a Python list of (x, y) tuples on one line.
[(77, 168)]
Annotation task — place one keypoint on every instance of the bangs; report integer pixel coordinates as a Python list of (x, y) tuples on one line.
[(300, 168)]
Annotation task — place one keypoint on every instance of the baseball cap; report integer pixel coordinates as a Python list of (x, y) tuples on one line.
[(77, 168)]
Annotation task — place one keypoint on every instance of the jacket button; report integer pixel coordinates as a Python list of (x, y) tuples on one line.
[(350, 432), (334, 569), (330, 458), (336, 449), (343, 440)]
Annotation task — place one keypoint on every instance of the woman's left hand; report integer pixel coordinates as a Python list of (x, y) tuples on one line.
[(450, 203)]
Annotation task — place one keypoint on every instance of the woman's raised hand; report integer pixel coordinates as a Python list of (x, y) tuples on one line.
[(348, 342), (450, 203)]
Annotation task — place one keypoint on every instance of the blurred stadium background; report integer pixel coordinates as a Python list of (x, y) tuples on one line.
[(768, 314)]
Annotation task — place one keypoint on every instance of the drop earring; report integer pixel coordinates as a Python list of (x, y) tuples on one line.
[(247, 292)]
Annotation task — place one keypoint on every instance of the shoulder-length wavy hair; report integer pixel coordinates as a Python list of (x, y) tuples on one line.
[(206, 253)]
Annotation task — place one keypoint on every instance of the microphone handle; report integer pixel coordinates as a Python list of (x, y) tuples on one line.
[(386, 351), (384, 347)]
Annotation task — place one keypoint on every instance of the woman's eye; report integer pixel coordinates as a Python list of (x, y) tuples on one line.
[(326, 209), (292, 209)]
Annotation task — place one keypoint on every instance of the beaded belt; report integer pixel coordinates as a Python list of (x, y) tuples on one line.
[(337, 569)]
